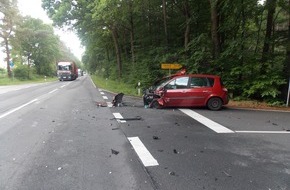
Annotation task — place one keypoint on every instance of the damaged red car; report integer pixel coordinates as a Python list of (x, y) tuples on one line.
[(187, 90)]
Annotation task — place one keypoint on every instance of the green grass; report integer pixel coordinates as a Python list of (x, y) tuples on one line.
[(114, 86), (15, 81)]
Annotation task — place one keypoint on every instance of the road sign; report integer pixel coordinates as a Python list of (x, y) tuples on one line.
[(171, 66), (11, 64)]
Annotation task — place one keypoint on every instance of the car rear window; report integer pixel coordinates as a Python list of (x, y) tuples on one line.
[(211, 81), (201, 82)]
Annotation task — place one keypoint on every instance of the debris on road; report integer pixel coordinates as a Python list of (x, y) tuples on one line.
[(156, 138), (114, 151), (115, 128), (117, 101), (102, 104), (131, 118), (227, 174), (175, 151), (172, 173)]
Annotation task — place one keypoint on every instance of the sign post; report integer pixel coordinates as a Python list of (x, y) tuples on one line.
[(287, 103), (139, 90)]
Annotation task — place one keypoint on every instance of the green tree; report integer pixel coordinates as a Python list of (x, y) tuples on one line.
[(8, 19), (241, 40), (37, 44)]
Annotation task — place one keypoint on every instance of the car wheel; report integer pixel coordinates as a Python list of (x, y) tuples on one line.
[(214, 104), (155, 104)]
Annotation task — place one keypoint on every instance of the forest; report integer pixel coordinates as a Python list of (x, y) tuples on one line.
[(246, 42), (30, 46)]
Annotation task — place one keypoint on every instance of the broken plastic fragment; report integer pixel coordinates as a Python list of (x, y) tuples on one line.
[(155, 138), (171, 173), (114, 151)]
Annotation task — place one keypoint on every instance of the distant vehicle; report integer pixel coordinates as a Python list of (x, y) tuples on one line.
[(187, 90), (80, 72), (67, 71)]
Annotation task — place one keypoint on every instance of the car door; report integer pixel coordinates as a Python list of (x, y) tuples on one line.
[(200, 89), (176, 92)]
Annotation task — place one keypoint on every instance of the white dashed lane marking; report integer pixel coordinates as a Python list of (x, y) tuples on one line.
[(144, 155), (18, 108), (119, 117), (53, 91)]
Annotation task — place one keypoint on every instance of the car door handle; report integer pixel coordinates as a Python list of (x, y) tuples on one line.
[(206, 91)]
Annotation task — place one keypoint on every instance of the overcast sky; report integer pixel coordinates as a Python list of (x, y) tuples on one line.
[(34, 9)]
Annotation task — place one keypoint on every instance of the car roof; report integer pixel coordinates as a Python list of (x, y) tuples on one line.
[(198, 75)]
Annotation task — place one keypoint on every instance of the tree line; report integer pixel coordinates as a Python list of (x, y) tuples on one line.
[(30, 46), (247, 42)]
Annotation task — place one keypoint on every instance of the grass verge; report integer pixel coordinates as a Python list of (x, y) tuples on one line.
[(114, 86), (15, 81)]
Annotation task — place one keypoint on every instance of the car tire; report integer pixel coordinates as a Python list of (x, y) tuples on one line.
[(155, 104), (214, 104)]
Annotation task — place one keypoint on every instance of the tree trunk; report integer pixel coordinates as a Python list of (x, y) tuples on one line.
[(271, 6), (132, 38), (165, 22), (259, 31), (287, 62), (187, 22), (7, 57), (117, 50), (214, 28)]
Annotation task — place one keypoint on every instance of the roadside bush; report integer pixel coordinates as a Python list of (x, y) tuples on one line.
[(22, 72)]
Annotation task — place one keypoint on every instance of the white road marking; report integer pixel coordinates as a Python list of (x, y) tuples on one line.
[(144, 155), (18, 108), (63, 86), (105, 97), (53, 91), (207, 122), (119, 117), (265, 132), (102, 93)]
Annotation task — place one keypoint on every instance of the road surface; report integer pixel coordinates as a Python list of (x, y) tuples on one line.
[(66, 135)]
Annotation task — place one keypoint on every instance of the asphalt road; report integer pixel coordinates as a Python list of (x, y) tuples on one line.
[(59, 136)]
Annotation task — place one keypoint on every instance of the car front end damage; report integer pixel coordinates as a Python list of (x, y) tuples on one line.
[(152, 99)]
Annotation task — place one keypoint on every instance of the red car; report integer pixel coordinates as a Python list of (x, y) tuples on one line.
[(187, 90)]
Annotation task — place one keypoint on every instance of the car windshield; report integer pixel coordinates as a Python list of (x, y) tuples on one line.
[(160, 83), (64, 67)]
